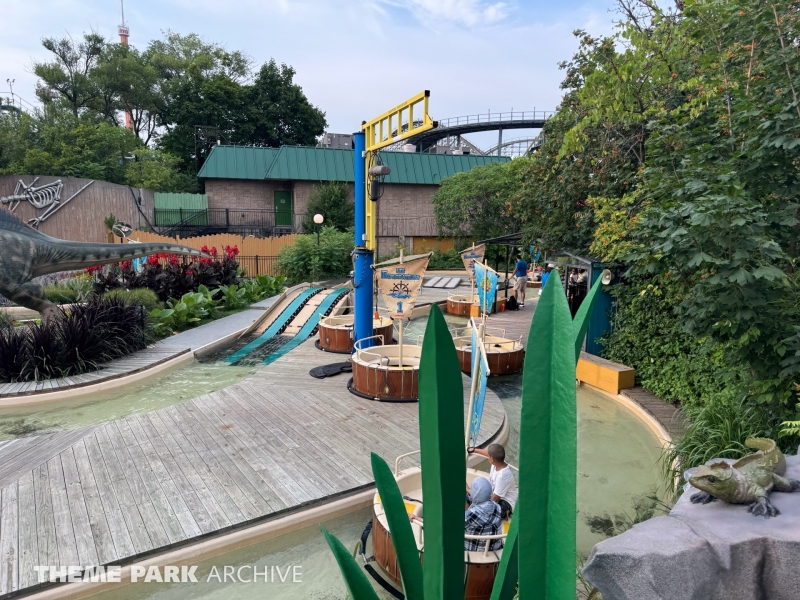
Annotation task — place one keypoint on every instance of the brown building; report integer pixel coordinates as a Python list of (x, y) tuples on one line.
[(272, 186)]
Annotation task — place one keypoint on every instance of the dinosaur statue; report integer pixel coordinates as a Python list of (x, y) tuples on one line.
[(26, 253), (747, 481)]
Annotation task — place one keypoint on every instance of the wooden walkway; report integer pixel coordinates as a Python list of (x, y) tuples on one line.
[(276, 441), (670, 417), (136, 362)]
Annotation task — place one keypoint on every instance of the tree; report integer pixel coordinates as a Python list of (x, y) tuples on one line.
[(69, 75), (158, 171), (280, 112), (477, 204), (329, 200), (128, 83)]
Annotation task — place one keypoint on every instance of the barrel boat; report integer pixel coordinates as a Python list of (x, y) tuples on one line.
[(464, 305), (380, 372), (480, 567), (336, 332), (504, 355)]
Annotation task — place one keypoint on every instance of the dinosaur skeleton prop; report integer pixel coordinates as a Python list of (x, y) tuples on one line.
[(47, 196)]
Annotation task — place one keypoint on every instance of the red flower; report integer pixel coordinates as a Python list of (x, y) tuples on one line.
[(189, 272), (93, 269), (152, 260), (173, 260), (126, 264), (204, 249), (213, 251)]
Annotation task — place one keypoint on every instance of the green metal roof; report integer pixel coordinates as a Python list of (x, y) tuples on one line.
[(330, 164), (238, 162), (316, 164)]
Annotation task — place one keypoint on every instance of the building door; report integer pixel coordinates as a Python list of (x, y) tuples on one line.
[(284, 211)]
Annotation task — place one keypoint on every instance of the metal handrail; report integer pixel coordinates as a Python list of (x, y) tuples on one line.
[(399, 458), (490, 117), (361, 351)]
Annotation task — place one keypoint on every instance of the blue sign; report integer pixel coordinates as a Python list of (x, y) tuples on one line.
[(486, 280), (480, 369)]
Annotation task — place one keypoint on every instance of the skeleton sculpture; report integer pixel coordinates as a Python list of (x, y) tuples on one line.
[(47, 196)]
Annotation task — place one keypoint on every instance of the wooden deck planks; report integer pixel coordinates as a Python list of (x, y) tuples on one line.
[(9, 539), (81, 526), (28, 548), (136, 362), (45, 525), (276, 440)]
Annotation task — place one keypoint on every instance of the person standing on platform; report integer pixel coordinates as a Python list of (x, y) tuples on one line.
[(521, 273)]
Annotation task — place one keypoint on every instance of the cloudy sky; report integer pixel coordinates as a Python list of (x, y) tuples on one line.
[(354, 58)]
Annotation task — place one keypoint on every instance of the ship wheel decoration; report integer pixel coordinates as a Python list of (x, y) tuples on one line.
[(400, 290)]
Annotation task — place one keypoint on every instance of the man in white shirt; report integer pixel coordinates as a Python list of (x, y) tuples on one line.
[(504, 486)]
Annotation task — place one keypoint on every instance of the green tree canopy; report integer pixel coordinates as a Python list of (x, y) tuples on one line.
[(173, 85)]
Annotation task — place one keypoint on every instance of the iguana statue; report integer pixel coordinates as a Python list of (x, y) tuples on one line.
[(747, 481), (26, 253)]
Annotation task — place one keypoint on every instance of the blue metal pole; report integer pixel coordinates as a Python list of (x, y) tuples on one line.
[(362, 265)]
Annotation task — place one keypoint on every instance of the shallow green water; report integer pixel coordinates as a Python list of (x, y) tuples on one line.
[(177, 386)]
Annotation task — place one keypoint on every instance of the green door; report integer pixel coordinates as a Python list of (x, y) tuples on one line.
[(283, 209)]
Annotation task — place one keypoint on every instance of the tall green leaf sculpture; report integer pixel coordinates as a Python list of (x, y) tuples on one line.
[(542, 533), (443, 461), (402, 535), (533, 399), (441, 409), (548, 453)]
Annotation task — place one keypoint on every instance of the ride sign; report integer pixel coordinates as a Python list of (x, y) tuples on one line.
[(400, 282)]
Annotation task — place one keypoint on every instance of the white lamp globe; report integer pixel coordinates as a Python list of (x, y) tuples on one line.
[(318, 219)]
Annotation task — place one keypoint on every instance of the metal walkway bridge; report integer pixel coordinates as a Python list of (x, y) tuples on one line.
[(457, 126)]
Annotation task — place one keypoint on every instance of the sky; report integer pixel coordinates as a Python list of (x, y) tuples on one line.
[(354, 59)]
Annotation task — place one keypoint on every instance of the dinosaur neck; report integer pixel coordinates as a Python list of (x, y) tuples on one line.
[(68, 256)]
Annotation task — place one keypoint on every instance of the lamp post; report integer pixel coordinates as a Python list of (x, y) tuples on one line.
[(318, 219)]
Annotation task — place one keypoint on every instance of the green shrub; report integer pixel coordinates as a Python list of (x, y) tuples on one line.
[(446, 259), (69, 343), (646, 335), (233, 297), (192, 308), (60, 295), (329, 200), (262, 286), (140, 296), (307, 261)]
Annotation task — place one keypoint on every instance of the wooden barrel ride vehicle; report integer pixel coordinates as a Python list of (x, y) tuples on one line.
[(335, 333), (480, 567), (505, 355), (378, 374), (461, 304)]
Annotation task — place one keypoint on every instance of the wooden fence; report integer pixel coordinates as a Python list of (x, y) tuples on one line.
[(248, 246)]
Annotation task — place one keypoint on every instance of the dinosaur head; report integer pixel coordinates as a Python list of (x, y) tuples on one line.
[(717, 479)]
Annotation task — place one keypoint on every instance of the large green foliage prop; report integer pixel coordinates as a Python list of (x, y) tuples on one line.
[(402, 534), (507, 575), (548, 453), (441, 437), (542, 533)]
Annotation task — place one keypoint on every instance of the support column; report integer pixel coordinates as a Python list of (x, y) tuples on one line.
[(499, 141), (362, 264)]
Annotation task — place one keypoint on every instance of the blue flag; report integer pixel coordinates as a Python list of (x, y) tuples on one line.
[(486, 280), (480, 369)]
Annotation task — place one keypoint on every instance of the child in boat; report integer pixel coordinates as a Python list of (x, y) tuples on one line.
[(504, 486), (481, 518)]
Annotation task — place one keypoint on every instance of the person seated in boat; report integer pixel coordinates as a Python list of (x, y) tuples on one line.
[(482, 517), (504, 485)]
